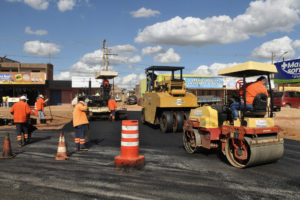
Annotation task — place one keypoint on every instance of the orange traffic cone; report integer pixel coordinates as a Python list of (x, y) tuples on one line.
[(129, 156), (61, 149), (7, 153)]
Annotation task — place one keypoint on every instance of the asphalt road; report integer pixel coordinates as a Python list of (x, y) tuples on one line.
[(169, 172)]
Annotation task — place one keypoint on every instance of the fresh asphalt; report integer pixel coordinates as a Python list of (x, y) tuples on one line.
[(169, 172)]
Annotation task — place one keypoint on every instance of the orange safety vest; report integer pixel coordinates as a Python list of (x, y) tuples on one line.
[(40, 104), (21, 111), (79, 116), (112, 105), (254, 89)]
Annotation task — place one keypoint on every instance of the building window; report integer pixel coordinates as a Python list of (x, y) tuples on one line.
[(4, 70), (36, 71)]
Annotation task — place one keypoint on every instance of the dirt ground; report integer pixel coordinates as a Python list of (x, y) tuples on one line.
[(288, 119), (56, 116)]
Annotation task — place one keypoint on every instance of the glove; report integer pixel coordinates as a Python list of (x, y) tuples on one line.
[(86, 101)]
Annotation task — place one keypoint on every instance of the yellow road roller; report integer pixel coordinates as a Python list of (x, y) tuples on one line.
[(166, 102), (248, 140)]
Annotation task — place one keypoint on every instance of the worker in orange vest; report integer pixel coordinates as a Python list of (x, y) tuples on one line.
[(40, 107), (105, 83), (112, 105), (21, 112), (80, 123)]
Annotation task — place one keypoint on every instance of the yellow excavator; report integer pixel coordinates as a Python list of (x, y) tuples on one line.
[(248, 140)]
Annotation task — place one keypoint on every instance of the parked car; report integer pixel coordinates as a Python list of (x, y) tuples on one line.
[(288, 99), (131, 100)]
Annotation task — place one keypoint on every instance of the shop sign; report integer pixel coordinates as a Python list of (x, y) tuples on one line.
[(20, 78), (203, 82), (288, 71)]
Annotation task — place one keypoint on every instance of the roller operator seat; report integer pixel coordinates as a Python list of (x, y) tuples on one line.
[(260, 104)]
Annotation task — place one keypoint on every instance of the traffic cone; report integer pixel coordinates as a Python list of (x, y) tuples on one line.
[(129, 156), (7, 153), (61, 149)]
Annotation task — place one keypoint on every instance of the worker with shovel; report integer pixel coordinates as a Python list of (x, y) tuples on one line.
[(40, 107)]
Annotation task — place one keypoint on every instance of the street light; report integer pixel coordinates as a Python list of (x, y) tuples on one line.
[(283, 55)]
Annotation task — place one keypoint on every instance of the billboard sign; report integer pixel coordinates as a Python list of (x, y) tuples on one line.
[(15, 78), (203, 82), (288, 71), (83, 82)]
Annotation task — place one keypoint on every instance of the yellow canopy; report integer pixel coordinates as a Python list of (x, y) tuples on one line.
[(249, 68)]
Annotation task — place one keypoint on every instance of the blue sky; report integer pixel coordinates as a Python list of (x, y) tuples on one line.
[(204, 36)]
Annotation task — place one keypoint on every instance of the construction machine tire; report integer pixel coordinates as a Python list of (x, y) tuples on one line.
[(266, 151), (191, 140), (180, 121), (166, 122), (186, 115), (143, 120)]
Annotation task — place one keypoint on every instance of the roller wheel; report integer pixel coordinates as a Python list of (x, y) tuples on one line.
[(143, 116), (189, 140), (180, 120), (166, 122), (237, 152)]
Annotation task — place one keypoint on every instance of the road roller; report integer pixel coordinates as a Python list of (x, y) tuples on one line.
[(167, 103), (252, 138)]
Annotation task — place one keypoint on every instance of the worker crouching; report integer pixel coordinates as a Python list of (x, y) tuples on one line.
[(21, 112), (112, 105), (80, 123)]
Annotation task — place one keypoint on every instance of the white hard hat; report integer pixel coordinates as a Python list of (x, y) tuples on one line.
[(23, 98), (41, 96)]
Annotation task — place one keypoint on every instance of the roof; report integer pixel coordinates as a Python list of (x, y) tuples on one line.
[(106, 75), (250, 68), (164, 68)]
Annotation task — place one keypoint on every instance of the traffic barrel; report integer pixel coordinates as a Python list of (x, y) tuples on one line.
[(61, 149), (129, 156), (7, 152)]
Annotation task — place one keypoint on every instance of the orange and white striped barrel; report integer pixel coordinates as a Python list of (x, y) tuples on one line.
[(130, 146), (130, 139)]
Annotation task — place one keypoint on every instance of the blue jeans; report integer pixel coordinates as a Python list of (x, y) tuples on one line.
[(239, 106), (41, 114)]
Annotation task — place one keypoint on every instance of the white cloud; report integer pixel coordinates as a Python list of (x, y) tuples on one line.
[(41, 49), (90, 63), (211, 70), (63, 76), (37, 4), (37, 32), (277, 46), (152, 50), (170, 56), (64, 5), (296, 44), (144, 12), (129, 81), (258, 19)]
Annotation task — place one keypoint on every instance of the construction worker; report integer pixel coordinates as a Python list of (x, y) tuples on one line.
[(80, 123), (105, 83), (40, 107), (252, 89), (21, 112), (112, 105), (151, 77)]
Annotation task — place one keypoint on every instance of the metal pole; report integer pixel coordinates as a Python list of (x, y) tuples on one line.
[(271, 95)]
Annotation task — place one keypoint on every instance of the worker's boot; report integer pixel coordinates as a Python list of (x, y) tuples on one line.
[(19, 139)]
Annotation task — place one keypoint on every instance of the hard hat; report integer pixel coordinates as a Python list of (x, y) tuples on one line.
[(41, 96), (23, 98)]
